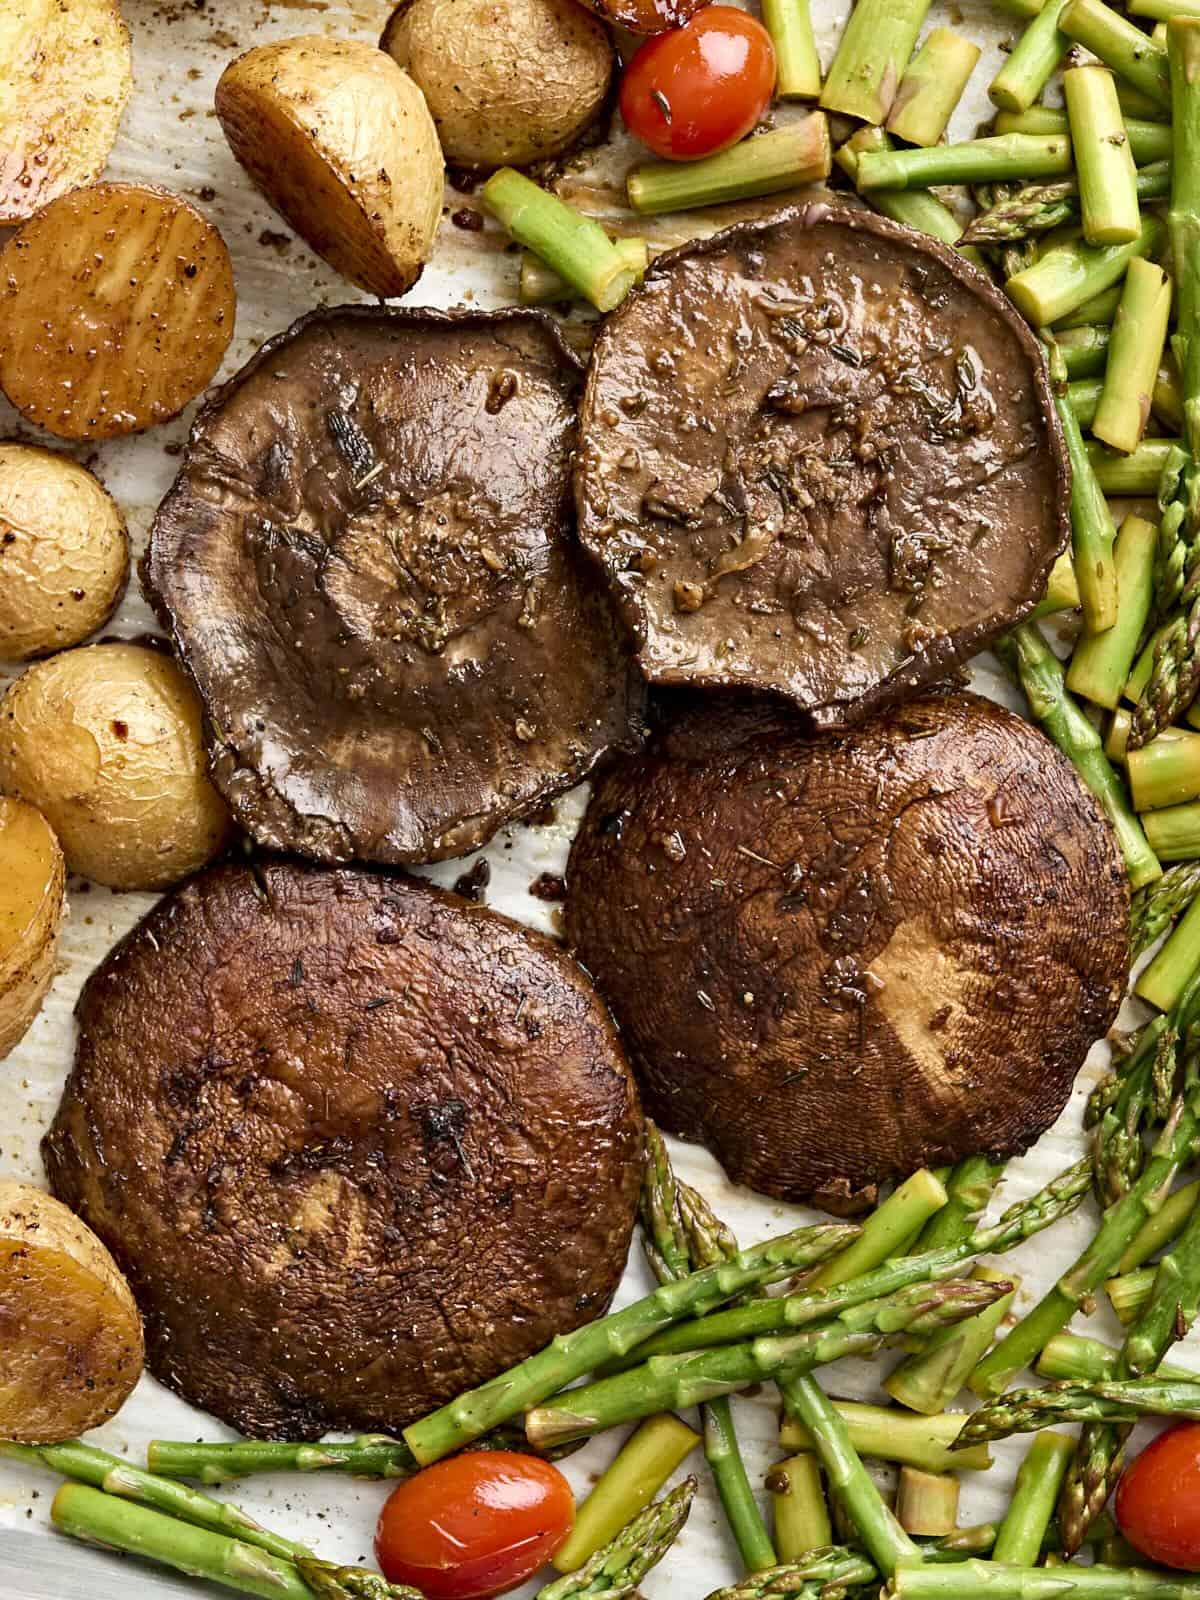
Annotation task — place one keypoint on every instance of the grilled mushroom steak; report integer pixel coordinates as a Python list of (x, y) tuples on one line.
[(836, 959), (357, 1144), (368, 567), (819, 457)]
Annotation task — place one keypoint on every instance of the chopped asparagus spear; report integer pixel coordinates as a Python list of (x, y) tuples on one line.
[(370, 1456), (1039, 1479), (541, 285), (1129, 1295), (1165, 979), (916, 208), (886, 1433), (1069, 1358), (982, 1580), (1156, 910), (1139, 335), (1120, 45), (927, 1502), (784, 158), (1093, 534), (1084, 350), (933, 1377), (1110, 1400), (1163, 10), (1101, 663), (576, 247), (1039, 208), (1062, 591), (1137, 475), (1174, 833), (1107, 175), (1035, 57), (871, 57), (1068, 275), (1149, 142), (616, 1570), (991, 160), (932, 87), (798, 66), (905, 1211), (1100, 309), (801, 1514), (1165, 772)]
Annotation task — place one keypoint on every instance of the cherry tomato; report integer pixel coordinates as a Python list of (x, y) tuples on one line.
[(476, 1525), (647, 16), (1158, 1499), (701, 88)]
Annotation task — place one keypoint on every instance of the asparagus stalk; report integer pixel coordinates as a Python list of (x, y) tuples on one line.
[(1172, 1308), (1070, 1358), (927, 1502), (616, 1570), (886, 1434), (1157, 908), (801, 1515), (784, 158), (1137, 475), (886, 1541), (1084, 350), (1162, 1228), (575, 246), (871, 57), (1093, 534), (1133, 1098), (1120, 45), (1101, 663), (1036, 56), (667, 1383), (1110, 1400), (1020, 1222), (1101, 308), (903, 1213), (1070, 274), (1175, 964), (1107, 175), (1039, 1479), (1163, 10), (1117, 741), (1150, 143), (1062, 591), (1084, 396), (570, 1356), (540, 285), (1036, 209), (932, 87), (931, 1379), (1129, 1295), (1041, 676), (1166, 771), (1167, 398), (981, 1580), (798, 66), (369, 1456), (969, 1187), (915, 208), (1174, 833), (1174, 1146), (1139, 335), (643, 1464), (997, 159)]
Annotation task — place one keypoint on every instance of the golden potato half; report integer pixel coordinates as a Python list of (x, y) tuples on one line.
[(66, 71), (64, 552), (72, 1347), (106, 742), (341, 143), (509, 82), (32, 901), (116, 306)]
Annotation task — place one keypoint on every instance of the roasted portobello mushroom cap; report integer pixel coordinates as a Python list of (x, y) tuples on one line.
[(358, 1144), (837, 958), (819, 457), (368, 567)]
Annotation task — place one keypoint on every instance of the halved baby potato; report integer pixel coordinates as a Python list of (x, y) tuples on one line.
[(72, 1348), (342, 144), (64, 552), (66, 71), (116, 306), (32, 902)]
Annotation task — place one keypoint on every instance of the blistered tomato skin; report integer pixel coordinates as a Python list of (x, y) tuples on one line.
[(699, 89), (479, 1524), (1158, 1500)]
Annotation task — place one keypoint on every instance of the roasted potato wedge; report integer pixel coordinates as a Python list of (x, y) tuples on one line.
[(509, 82), (32, 901), (342, 144), (72, 1348), (116, 306), (66, 71), (106, 742), (64, 552)]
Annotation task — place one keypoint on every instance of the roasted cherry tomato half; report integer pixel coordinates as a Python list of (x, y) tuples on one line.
[(701, 88), (476, 1525), (1158, 1499)]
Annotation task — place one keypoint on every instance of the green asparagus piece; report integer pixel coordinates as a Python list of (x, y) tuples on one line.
[(1110, 1400), (908, 1209), (1084, 350), (871, 57), (725, 1461), (981, 1580), (1150, 143), (540, 285), (1070, 274), (1167, 398), (1036, 56), (1165, 772), (931, 1379), (1101, 663), (644, 1463), (798, 66), (616, 1570), (1070, 1358), (996, 159), (1163, 10), (1173, 967), (969, 1187), (801, 1515), (888, 1434), (1093, 534), (1164, 1227), (1139, 335), (784, 158), (932, 87), (1036, 209), (1101, 308), (1039, 1479), (1041, 676), (927, 1502), (1107, 175), (1174, 833), (575, 246), (887, 1543), (1135, 475), (668, 1383), (1134, 1097), (1173, 1306), (1120, 45), (1062, 591), (1156, 909), (915, 208), (1129, 1295), (570, 1356), (369, 1456)]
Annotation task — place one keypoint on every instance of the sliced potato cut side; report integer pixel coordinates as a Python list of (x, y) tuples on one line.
[(72, 1346), (32, 901), (116, 306)]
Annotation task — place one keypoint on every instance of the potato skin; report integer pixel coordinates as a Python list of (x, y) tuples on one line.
[(32, 903), (72, 1349), (67, 68), (509, 82), (64, 552), (106, 742), (341, 143)]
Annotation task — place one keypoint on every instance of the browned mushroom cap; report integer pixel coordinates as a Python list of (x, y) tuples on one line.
[(819, 456), (368, 568), (357, 1144), (835, 960)]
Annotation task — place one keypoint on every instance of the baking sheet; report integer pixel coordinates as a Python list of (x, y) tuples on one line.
[(171, 137)]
